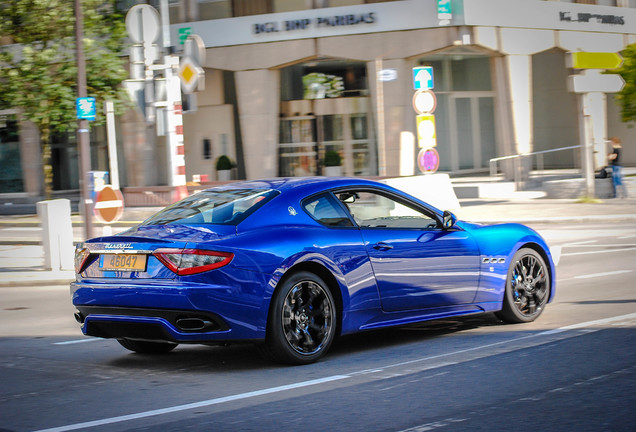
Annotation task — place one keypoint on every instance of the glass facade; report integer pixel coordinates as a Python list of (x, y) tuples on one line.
[(10, 159), (464, 118), (325, 124)]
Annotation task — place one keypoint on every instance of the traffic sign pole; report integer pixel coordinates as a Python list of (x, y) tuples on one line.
[(86, 203)]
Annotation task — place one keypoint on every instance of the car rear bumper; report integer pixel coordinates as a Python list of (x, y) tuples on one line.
[(171, 311)]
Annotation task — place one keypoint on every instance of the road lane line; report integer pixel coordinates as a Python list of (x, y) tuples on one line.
[(71, 342), (194, 405), (595, 275), (271, 390), (597, 252)]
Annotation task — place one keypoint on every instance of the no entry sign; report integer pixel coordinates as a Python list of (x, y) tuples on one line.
[(109, 204)]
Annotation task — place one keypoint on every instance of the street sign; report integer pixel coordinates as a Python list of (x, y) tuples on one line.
[(426, 134), (109, 204), (423, 78), (86, 108), (591, 80), (428, 160), (424, 102), (190, 74), (444, 9), (387, 75), (143, 23), (595, 60)]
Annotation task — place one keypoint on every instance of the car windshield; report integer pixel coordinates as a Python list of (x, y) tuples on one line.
[(225, 207)]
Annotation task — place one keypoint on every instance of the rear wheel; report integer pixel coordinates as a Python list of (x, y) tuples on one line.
[(527, 287), (302, 321), (146, 347)]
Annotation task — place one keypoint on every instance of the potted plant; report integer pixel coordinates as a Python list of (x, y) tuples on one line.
[(332, 163), (224, 168)]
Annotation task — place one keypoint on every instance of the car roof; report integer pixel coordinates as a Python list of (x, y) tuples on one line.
[(302, 185)]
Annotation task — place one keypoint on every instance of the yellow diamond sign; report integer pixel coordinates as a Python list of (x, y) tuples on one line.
[(190, 75)]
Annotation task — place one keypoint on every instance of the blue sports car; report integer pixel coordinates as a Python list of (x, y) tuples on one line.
[(290, 264)]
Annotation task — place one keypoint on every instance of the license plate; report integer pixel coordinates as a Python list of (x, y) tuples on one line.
[(123, 262)]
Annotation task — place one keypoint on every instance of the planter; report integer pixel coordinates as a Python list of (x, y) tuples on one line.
[(224, 175), (332, 171)]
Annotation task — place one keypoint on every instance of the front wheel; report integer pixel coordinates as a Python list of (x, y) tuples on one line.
[(146, 347), (302, 321), (527, 288)]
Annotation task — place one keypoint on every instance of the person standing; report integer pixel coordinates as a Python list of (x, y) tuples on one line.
[(617, 168)]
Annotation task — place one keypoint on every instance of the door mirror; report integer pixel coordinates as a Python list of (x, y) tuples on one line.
[(448, 220)]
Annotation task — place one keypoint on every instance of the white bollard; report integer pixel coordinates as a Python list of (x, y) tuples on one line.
[(57, 234)]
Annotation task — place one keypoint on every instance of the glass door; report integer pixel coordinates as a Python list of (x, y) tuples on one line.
[(473, 137)]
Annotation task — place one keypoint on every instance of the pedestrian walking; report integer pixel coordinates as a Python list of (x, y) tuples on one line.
[(620, 190)]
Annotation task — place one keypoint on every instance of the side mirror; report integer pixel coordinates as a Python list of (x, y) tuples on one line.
[(448, 220)]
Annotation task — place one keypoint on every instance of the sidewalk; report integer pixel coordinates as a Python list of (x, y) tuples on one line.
[(21, 259)]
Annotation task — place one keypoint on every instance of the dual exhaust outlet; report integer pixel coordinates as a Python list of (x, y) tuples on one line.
[(183, 324)]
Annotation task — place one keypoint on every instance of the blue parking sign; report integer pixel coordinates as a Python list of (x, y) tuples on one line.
[(423, 78), (86, 108)]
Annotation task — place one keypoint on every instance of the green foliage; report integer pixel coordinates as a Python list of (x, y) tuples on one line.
[(627, 96), (39, 70), (332, 158), (223, 163), (38, 67)]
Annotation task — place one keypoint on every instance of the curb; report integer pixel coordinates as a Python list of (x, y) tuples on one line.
[(34, 278)]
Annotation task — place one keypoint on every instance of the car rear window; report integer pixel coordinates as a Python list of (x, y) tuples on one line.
[(222, 207)]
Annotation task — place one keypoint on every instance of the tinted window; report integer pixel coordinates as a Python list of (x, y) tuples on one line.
[(326, 210), (228, 207)]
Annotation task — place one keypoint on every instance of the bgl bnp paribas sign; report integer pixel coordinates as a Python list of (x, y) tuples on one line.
[(320, 22)]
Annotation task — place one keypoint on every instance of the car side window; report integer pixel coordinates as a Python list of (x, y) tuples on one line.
[(374, 210), (326, 210)]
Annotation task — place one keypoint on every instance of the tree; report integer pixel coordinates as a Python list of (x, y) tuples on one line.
[(38, 69), (627, 96)]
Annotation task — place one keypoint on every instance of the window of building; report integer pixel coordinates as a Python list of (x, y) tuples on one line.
[(10, 161)]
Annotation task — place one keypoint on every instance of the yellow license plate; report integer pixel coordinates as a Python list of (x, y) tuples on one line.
[(122, 262)]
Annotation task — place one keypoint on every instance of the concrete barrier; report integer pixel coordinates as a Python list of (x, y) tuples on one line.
[(57, 234)]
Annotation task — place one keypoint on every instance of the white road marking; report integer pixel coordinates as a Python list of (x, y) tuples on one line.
[(580, 243), (195, 405), (303, 384), (595, 275), (597, 252), (601, 245), (72, 342)]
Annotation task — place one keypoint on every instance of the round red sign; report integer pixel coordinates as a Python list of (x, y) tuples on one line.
[(428, 160), (109, 204)]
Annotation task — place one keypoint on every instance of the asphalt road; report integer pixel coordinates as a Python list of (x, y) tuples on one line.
[(572, 369)]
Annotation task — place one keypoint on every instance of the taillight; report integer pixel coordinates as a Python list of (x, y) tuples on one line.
[(81, 255), (191, 261)]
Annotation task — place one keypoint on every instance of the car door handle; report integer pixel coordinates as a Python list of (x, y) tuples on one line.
[(381, 246)]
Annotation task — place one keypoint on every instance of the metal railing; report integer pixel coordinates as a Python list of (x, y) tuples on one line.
[(518, 158)]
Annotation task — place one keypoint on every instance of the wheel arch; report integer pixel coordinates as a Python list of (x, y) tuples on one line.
[(326, 275), (546, 258)]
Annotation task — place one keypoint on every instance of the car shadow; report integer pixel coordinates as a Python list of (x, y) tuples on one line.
[(245, 357), (395, 336)]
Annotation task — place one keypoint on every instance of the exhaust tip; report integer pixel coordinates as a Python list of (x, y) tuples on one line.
[(194, 324), (79, 317)]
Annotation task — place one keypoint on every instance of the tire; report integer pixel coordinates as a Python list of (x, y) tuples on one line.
[(146, 347), (302, 320), (527, 288)]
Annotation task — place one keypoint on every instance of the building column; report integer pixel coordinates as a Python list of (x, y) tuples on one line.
[(258, 96), (520, 76), (396, 110)]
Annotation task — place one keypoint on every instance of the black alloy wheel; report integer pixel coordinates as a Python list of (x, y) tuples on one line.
[(527, 287), (302, 322)]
